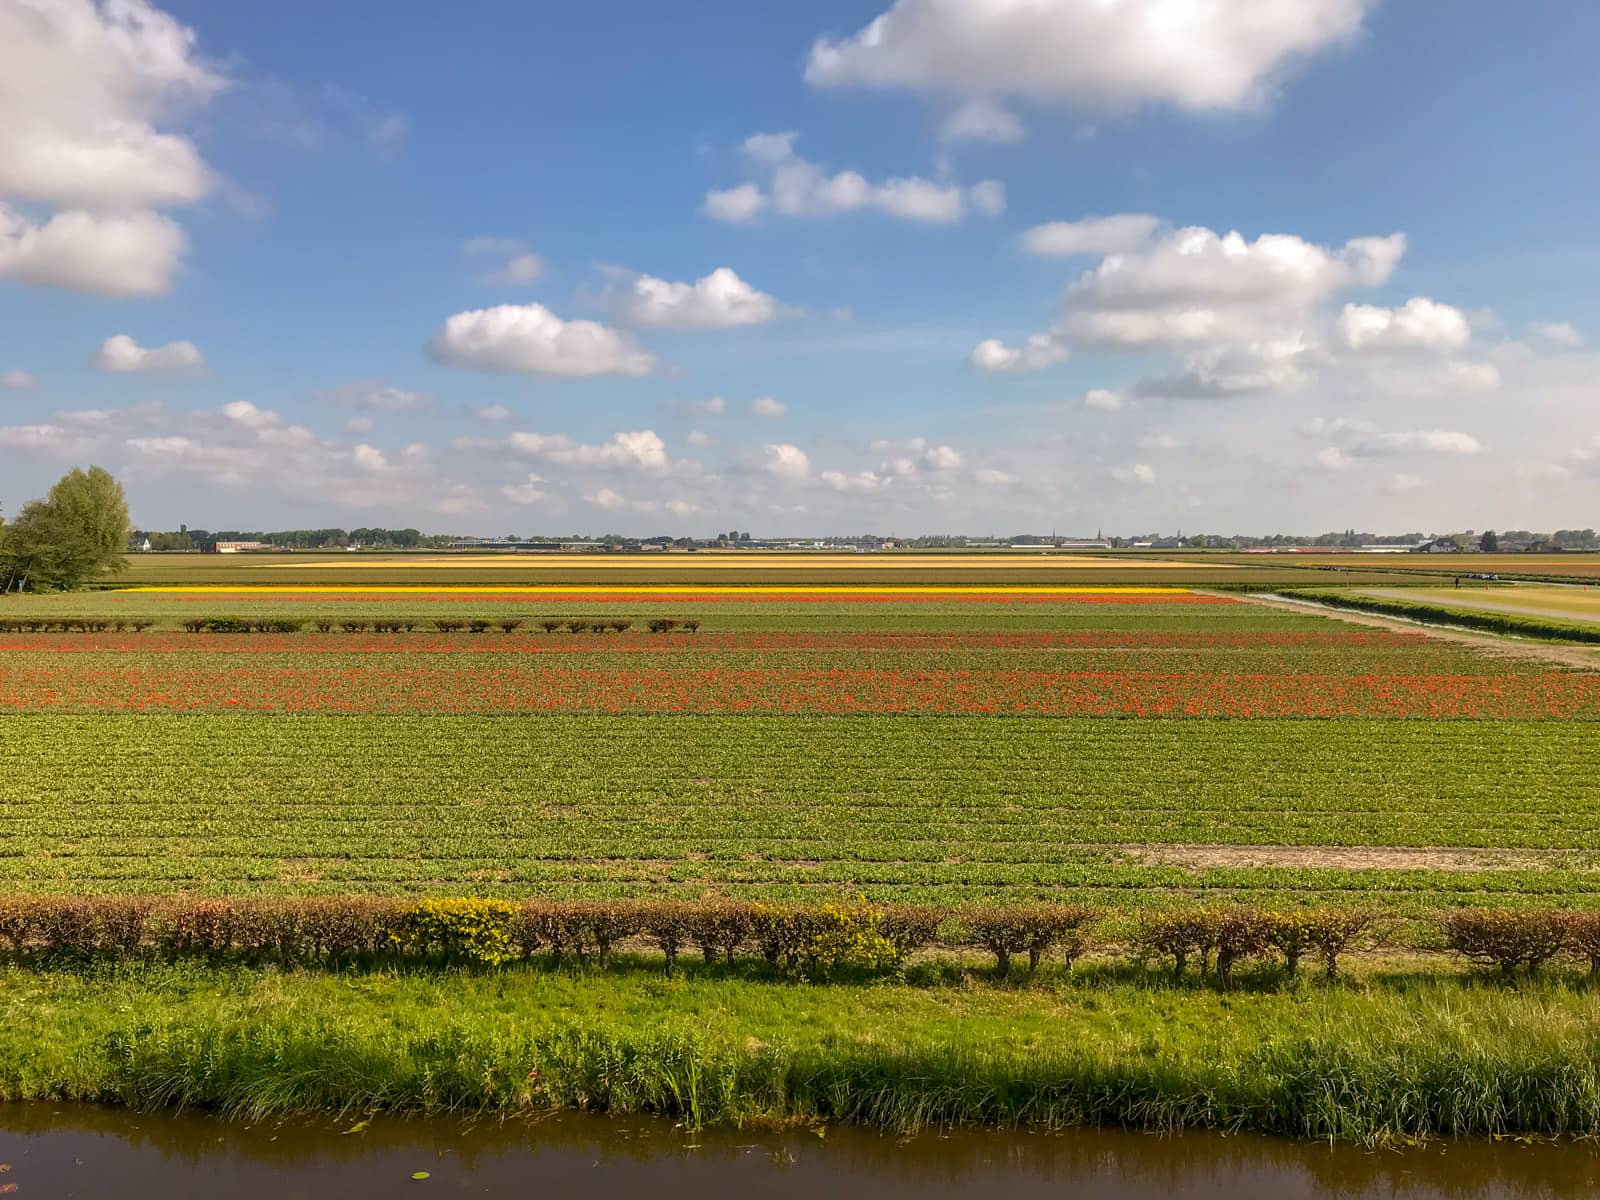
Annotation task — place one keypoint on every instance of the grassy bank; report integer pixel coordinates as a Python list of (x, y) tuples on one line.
[(1546, 628), (1388, 1055)]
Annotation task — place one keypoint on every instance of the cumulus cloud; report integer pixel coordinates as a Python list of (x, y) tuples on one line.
[(122, 355), (114, 254), (529, 339), (1224, 54), (859, 481), (638, 450), (786, 461), (1195, 285), (698, 437), (993, 477), (768, 406), (16, 380), (607, 498), (982, 120), (1116, 234), (1420, 324), (1103, 398), (491, 412), (720, 300), (736, 205), (1039, 351), (797, 187), (88, 97), (1134, 473), (515, 263)]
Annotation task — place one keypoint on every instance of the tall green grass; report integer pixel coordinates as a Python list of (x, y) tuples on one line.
[(1384, 1058)]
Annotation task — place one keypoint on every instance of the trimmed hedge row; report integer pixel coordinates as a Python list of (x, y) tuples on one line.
[(1441, 614), (809, 941), (441, 625), (71, 625)]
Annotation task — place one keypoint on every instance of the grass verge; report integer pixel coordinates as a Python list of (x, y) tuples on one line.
[(1390, 1055), (1442, 614)]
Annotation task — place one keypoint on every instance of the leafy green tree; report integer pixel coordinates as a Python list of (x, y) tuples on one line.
[(78, 531), (1489, 543)]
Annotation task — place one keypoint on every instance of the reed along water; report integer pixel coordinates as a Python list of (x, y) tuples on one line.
[(69, 1151)]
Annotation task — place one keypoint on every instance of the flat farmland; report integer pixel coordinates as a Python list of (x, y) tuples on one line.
[(1137, 746), (731, 567)]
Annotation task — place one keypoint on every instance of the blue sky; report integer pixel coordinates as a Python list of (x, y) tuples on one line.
[(532, 268)]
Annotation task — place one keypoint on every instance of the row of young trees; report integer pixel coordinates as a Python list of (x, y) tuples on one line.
[(76, 533)]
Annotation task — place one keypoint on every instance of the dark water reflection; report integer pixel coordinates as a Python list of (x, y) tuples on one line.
[(64, 1151)]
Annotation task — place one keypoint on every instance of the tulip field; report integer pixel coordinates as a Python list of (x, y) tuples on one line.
[(1127, 743)]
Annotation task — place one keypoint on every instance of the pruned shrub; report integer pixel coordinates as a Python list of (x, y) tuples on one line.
[(463, 931), (550, 626), (1034, 929), (1583, 938), (847, 939), (1509, 939), (577, 626), (669, 923), (478, 625), (1178, 934), (324, 626), (510, 624), (690, 626), (447, 626), (353, 626), (662, 625), (720, 927), (621, 626), (1241, 933), (911, 926)]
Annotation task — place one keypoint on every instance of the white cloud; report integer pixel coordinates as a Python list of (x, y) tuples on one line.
[(1102, 398), (641, 450), (699, 437), (1430, 441), (491, 412), (360, 425), (1116, 234), (1560, 333), (83, 88), (1420, 324), (1039, 351), (1134, 473), (797, 187), (527, 492), (88, 92), (982, 120), (1402, 482), (16, 380), (736, 205), (768, 406), (129, 254), (530, 339), (517, 264), (1194, 285), (1222, 54), (786, 461), (942, 458), (607, 498), (46, 438), (681, 508), (720, 300), (121, 354)]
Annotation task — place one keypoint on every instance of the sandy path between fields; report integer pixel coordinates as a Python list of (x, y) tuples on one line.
[(1358, 858), (1585, 657)]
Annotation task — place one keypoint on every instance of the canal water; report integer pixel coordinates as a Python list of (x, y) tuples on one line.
[(67, 1151)]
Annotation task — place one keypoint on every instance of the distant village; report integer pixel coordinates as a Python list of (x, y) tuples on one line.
[(186, 540)]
